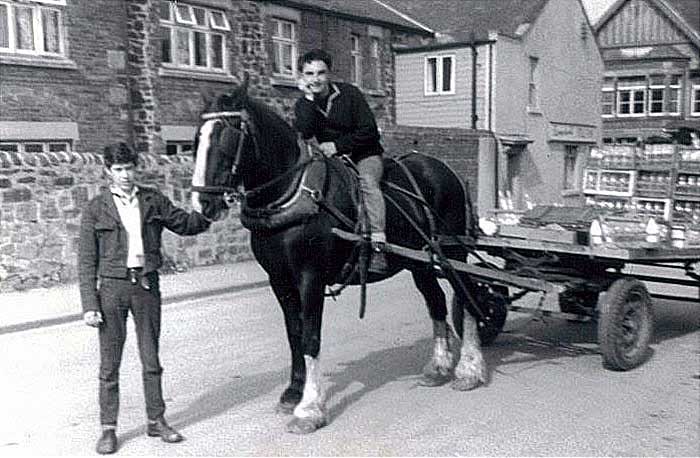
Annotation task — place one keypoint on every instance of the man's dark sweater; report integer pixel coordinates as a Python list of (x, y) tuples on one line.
[(344, 118)]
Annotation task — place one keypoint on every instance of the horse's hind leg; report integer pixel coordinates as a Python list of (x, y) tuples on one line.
[(438, 370), (471, 369)]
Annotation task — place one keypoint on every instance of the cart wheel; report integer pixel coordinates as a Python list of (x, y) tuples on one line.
[(494, 302), (625, 324)]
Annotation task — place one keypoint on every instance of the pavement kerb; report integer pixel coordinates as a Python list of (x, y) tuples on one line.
[(252, 281)]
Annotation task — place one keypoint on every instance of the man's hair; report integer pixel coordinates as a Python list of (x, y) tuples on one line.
[(119, 153), (316, 54)]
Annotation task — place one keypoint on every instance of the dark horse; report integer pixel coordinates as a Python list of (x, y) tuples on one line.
[(291, 201)]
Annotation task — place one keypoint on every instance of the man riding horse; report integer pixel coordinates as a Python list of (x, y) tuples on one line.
[(337, 115)]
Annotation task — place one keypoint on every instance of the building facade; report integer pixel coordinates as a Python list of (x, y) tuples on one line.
[(651, 85), (526, 71)]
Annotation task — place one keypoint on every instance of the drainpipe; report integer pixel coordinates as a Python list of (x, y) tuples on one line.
[(472, 45)]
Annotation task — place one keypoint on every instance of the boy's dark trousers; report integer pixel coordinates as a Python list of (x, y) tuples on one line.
[(117, 297)]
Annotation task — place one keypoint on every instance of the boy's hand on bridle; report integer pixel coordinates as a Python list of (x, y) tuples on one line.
[(328, 149), (92, 318)]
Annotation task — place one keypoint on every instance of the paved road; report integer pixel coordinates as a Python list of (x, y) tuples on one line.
[(226, 361)]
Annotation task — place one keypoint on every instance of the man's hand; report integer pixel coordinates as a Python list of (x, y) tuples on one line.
[(304, 87), (92, 318), (328, 149)]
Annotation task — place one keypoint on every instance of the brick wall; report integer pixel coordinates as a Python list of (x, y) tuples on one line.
[(41, 197)]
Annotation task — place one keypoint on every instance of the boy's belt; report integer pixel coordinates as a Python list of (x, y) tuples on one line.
[(135, 276)]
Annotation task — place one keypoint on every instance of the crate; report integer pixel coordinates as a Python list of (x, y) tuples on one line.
[(652, 207), (654, 184), (687, 185), (689, 160), (686, 211), (656, 157), (615, 157)]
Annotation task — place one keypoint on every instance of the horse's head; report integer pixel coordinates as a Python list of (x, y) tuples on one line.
[(225, 151)]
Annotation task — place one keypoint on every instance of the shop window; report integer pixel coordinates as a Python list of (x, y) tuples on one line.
[(32, 27), (193, 36)]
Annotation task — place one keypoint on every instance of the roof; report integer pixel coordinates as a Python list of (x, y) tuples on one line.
[(458, 19), (363, 10), (662, 52), (685, 14)]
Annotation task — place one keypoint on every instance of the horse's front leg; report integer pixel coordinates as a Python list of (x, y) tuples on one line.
[(290, 302), (310, 413)]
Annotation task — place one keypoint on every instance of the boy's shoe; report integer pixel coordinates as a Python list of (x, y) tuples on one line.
[(159, 428), (107, 443)]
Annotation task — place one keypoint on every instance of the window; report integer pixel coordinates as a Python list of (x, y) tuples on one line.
[(178, 148), (439, 75), (284, 48), (194, 37), (570, 161), (376, 64), (656, 94), (532, 97), (32, 27), (631, 96), (695, 100), (608, 97), (35, 146), (355, 61), (673, 105)]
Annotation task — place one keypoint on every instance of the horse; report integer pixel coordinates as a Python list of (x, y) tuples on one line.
[(293, 201)]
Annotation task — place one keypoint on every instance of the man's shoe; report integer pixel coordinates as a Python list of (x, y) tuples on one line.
[(161, 429), (377, 263), (107, 443)]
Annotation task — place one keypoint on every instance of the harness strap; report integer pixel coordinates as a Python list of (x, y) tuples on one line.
[(419, 193)]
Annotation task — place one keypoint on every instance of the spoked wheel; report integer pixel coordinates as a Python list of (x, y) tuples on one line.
[(625, 324), (493, 300)]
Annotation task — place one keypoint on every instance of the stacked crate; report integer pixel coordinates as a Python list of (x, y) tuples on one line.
[(657, 180)]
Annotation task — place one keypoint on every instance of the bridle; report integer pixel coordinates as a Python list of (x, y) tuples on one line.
[(244, 131)]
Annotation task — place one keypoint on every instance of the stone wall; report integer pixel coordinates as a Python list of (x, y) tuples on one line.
[(41, 197)]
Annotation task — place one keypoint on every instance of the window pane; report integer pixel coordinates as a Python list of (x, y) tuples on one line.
[(4, 28), (33, 148), (200, 16), (218, 20), (183, 14), (200, 49), (287, 30), (446, 74), (24, 28), (58, 147), (217, 50), (171, 149), (50, 24), (432, 74), (656, 102), (9, 147), (287, 63), (165, 13), (166, 45), (183, 47)]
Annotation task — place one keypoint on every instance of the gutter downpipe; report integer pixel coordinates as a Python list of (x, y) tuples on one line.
[(472, 44)]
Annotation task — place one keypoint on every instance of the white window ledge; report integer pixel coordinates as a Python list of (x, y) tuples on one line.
[(194, 74), (37, 61)]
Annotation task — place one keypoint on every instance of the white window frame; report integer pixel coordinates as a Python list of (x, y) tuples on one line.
[(376, 59), (37, 7), (439, 74), (533, 98), (661, 86), (46, 145), (177, 22), (695, 100), (355, 60), (631, 90), (608, 88), (279, 41), (674, 89)]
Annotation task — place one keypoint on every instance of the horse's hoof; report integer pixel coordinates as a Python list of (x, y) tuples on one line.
[(305, 425), (285, 408), (433, 380), (466, 384)]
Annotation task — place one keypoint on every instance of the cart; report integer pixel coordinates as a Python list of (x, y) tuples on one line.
[(569, 277)]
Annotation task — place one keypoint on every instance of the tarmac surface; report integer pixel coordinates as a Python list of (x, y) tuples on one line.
[(39, 307)]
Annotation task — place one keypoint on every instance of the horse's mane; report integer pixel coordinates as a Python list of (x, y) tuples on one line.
[(280, 135)]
